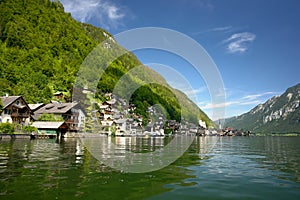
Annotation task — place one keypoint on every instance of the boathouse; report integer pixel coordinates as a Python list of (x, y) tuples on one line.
[(50, 129)]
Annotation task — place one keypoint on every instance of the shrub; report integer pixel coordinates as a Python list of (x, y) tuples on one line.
[(50, 117), (29, 129), (7, 128)]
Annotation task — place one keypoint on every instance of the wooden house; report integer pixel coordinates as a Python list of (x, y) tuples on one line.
[(15, 110)]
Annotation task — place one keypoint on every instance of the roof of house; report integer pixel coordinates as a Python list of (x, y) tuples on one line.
[(110, 102), (116, 116), (56, 108), (47, 125), (7, 100), (35, 106), (120, 121)]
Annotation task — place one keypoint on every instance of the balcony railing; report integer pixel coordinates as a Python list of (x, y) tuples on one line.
[(72, 121), (20, 115)]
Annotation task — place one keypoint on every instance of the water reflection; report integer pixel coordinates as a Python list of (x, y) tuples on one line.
[(46, 169), (242, 168), (282, 153), (215, 168), (139, 144), (273, 153), (149, 156)]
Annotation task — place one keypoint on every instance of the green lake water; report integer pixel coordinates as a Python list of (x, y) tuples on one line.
[(212, 168)]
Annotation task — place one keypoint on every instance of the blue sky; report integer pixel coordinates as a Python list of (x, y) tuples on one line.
[(255, 44)]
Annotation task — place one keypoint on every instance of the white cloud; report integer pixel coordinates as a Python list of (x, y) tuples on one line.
[(189, 92), (238, 42), (103, 12), (254, 102), (231, 108), (224, 28), (256, 96), (114, 13), (219, 105), (254, 99), (237, 102)]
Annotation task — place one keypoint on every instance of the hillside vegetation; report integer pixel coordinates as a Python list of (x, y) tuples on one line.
[(42, 49)]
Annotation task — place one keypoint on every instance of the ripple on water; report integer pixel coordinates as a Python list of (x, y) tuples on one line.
[(232, 168)]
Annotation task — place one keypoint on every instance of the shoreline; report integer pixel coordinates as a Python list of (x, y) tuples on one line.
[(14, 136), (6, 136)]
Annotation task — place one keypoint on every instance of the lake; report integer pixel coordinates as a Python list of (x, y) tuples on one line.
[(253, 167)]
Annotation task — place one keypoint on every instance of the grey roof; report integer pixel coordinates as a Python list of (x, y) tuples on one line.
[(35, 106), (116, 116), (47, 125), (120, 121), (35, 116), (7, 100), (56, 108), (112, 101)]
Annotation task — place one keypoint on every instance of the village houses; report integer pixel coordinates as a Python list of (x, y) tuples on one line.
[(16, 110), (115, 115)]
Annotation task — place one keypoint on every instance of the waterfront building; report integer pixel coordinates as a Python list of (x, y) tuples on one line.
[(15, 110), (72, 114)]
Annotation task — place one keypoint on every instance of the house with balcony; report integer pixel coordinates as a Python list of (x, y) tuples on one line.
[(73, 115), (15, 110)]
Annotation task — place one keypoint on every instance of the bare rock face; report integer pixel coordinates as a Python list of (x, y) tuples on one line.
[(280, 114)]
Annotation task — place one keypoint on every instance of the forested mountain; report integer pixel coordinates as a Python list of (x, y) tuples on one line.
[(280, 114), (42, 48)]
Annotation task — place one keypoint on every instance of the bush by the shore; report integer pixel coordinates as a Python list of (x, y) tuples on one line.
[(7, 128)]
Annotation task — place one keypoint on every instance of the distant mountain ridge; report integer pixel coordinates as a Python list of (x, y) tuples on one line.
[(280, 114)]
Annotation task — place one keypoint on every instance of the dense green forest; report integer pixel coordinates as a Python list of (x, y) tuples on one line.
[(42, 49)]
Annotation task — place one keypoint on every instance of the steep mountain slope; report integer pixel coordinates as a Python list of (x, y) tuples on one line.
[(42, 48), (280, 114)]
